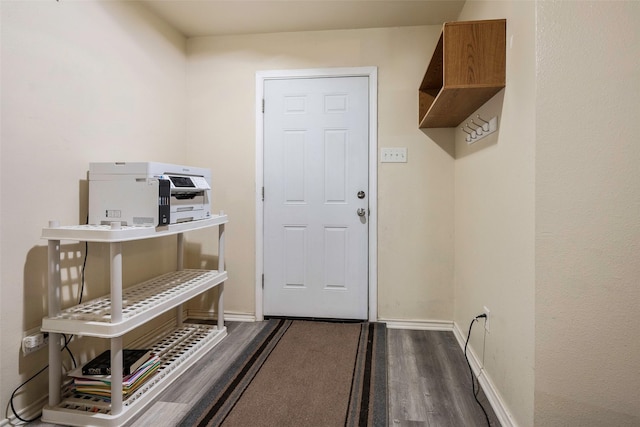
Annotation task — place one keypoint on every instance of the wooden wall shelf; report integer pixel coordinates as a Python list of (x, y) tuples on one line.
[(466, 70)]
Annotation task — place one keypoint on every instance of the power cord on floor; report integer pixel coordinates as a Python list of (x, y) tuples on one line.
[(473, 377), (13, 409), (65, 346), (67, 340)]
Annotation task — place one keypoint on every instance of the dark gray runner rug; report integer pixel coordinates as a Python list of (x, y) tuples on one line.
[(302, 373)]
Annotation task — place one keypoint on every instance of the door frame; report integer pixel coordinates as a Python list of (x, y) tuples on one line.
[(372, 74)]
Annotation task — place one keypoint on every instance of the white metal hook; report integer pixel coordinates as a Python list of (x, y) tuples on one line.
[(472, 135), (478, 130), (485, 125)]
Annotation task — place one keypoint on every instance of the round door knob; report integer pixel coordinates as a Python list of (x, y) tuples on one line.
[(361, 212)]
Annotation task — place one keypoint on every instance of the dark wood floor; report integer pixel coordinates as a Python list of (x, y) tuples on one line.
[(429, 382)]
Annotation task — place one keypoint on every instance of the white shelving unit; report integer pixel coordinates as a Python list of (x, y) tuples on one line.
[(123, 310)]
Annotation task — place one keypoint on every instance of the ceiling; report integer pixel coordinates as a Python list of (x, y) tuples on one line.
[(196, 18)]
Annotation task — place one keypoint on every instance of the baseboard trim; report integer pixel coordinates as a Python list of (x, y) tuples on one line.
[(31, 411), (418, 325), (496, 402), (35, 408), (231, 317), (239, 317), (490, 390)]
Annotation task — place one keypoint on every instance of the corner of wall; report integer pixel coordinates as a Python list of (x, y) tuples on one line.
[(81, 82), (495, 222)]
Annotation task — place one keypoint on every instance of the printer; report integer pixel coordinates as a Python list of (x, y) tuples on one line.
[(148, 194)]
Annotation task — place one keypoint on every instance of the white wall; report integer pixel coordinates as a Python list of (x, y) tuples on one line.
[(556, 247), (81, 82), (546, 211), (105, 81), (494, 219), (587, 214), (415, 199)]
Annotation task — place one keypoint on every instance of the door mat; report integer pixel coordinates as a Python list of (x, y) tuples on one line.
[(296, 373)]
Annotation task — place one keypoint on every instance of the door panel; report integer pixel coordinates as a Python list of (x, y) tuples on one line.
[(316, 147)]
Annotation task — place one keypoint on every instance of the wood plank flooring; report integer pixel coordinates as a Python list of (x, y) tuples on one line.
[(186, 390), (429, 383)]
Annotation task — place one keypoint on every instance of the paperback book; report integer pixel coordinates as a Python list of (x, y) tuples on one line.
[(132, 359), (100, 385)]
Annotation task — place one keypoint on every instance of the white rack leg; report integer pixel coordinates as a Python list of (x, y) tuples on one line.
[(115, 249), (221, 248), (221, 305), (180, 267), (180, 250), (55, 358), (221, 269), (116, 375)]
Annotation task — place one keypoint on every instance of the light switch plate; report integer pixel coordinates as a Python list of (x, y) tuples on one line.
[(394, 155)]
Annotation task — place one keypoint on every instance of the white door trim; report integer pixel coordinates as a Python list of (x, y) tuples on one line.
[(372, 74)]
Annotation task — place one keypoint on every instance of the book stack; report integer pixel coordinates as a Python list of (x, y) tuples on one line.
[(94, 378)]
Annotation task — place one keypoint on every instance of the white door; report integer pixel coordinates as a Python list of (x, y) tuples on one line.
[(316, 139)]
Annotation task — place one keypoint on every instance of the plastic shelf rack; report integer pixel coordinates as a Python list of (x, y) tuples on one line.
[(123, 310)]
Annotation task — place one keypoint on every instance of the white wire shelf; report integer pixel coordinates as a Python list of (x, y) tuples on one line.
[(106, 233), (140, 303), (178, 351)]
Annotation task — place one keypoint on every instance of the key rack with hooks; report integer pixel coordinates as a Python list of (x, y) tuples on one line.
[(477, 130)]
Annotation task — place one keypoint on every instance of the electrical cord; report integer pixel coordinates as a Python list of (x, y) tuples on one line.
[(67, 340), (473, 378), (13, 409), (84, 265)]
